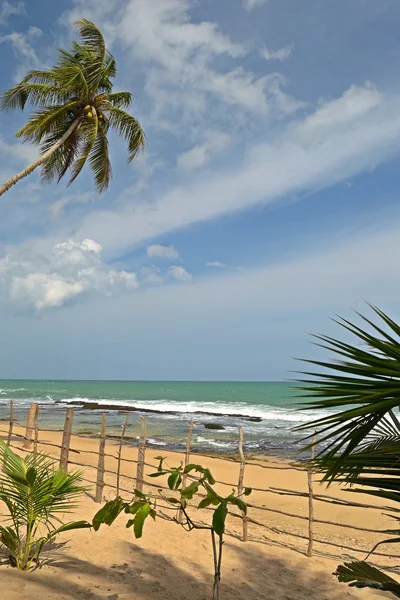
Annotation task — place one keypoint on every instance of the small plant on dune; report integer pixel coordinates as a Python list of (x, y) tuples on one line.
[(35, 493), (143, 506), (361, 447)]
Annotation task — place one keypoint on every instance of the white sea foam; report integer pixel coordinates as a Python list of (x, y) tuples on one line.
[(217, 444), (156, 442)]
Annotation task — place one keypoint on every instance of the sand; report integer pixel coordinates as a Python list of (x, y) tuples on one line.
[(171, 564)]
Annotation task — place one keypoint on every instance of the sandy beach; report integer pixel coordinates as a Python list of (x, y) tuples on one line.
[(169, 563)]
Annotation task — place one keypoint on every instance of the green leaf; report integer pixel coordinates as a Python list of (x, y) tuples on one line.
[(31, 476), (173, 500), (247, 491), (208, 476), (193, 467), (219, 517), (158, 474), (189, 491), (71, 526), (204, 503), (133, 508), (108, 513), (140, 494), (161, 462), (238, 502), (140, 518), (212, 494), (174, 480)]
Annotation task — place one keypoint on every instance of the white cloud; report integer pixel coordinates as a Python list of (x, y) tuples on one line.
[(49, 280), (156, 250), (20, 152), (198, 156), (340, 139), (7, 10), (250, 4), (216, 264), (281, 54), (179, 273), (22, 45), (151, 275), (57, 208), (177, 56)]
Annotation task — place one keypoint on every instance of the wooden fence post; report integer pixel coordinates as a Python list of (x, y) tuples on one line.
[(187, 459), (10, 428), (100, 466), (30, 426), (310, 503), (66, 439), (120, 452), (36, 438), (141, 455), (240, 483)]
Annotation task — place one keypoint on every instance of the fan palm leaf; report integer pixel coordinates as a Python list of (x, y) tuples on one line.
[(73, 108), (360, 442)]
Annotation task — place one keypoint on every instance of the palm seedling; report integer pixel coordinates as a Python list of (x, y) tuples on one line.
[(74, 108), (35, 494), (361, 438)]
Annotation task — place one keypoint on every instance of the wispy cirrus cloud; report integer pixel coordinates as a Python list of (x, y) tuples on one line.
[(8, 9), (341, 138)]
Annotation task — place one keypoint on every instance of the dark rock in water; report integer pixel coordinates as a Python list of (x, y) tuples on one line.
[(213, 426), (117, 407)]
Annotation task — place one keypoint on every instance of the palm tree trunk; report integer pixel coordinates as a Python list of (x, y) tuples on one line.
[(42, 158)]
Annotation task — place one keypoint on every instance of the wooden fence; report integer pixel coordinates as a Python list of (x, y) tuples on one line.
[(30, 441)]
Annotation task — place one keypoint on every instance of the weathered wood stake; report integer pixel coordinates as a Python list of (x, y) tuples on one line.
[(36, 438), (120, 451), (100, 466), (241, 477), (66, 439), (141, 455), (30, 426), (187, 460), (10, 428), (310, 503)]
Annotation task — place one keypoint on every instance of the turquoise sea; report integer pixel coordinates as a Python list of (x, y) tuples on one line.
[(266, 411)]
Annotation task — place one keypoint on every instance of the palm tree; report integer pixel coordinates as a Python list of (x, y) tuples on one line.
[(74, 109), (361, 442)]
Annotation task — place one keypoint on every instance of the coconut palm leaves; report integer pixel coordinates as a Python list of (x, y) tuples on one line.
[(35, 494), (74, 108), (361, 441)]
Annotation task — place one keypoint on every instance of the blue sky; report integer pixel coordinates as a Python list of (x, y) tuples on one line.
[(265, 202)]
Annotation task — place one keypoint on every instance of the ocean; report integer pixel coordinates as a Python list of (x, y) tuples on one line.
[(267, 411)]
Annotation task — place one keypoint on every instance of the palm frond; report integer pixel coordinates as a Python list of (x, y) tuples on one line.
[(120, 99), (43, 122), (364, 384), (100, 162), (91, 36), (129, 128), (88, 134), (361, 575)]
